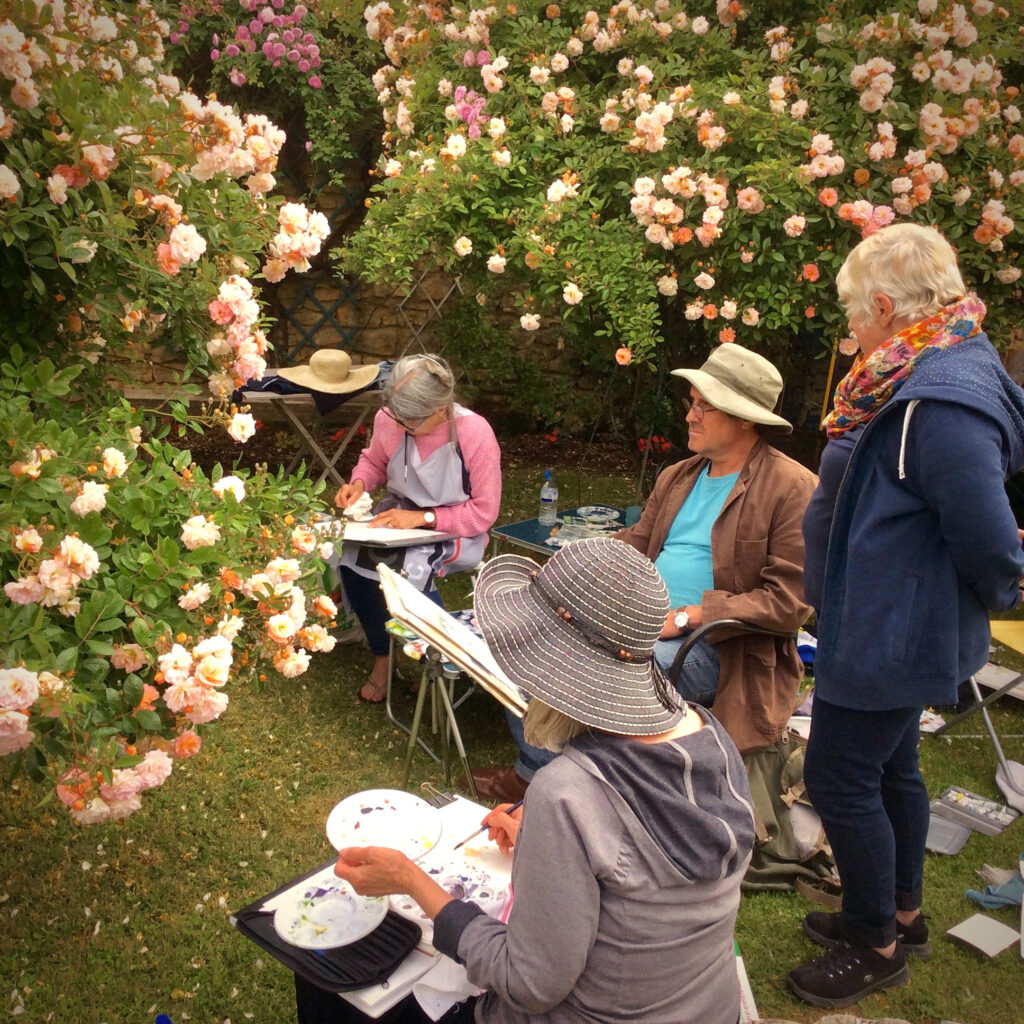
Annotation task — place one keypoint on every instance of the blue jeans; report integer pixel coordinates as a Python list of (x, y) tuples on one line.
[(697, 682), (367, 603), (863, 777)]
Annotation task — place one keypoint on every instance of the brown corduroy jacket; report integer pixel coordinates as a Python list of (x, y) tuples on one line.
[(758, 553)]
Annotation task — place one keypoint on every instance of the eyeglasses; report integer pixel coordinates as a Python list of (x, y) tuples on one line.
[(699, 409), (410, 427)]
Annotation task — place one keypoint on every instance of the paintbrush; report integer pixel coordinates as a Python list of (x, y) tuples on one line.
[(484, 828)]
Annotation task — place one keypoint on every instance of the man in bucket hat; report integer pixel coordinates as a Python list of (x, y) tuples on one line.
[(723, 528)]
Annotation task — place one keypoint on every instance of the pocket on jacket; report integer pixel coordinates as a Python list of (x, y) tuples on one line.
[(749, 559), (898, 638)]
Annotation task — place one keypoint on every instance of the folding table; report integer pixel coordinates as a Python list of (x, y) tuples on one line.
[(356, 407), (532, 533)]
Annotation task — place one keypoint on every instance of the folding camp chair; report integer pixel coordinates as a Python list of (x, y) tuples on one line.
[(1009, 774), (717, 626)]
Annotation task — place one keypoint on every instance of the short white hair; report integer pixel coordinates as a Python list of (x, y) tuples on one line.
[(418, 386), (911, 264)]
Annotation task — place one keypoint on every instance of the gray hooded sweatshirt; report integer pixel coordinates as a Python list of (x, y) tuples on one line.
[(626, 877)]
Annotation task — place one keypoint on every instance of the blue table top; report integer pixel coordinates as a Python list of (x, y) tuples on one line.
[(531, 533)]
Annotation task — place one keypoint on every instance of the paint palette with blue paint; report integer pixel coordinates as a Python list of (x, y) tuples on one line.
[(469, 882), (328, 914), (385, 817)]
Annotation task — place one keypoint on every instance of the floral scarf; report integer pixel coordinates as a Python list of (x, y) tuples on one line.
[(875, 378)]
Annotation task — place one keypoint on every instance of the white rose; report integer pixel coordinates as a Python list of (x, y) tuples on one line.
[(197, 532), (463, 246), (194, 597), (91, 498), (668, 285), (114, 462), (529, 321), (230, 485), (242, 426), (496, 264), (572, 294)]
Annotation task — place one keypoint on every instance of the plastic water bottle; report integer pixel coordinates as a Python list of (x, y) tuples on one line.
[(548, 514)]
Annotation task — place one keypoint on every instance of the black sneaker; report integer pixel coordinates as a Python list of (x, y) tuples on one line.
[(846, 974), (827, 929)]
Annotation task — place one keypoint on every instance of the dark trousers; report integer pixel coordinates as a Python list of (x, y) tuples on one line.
[(368, 606), (863, 777), (315, 1006)]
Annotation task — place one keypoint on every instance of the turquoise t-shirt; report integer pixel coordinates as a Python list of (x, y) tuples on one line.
[(685, 560)]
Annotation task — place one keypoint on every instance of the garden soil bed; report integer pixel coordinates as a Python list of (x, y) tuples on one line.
[(274, 446)]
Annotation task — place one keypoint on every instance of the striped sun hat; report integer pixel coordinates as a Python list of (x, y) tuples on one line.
[(579, 632)]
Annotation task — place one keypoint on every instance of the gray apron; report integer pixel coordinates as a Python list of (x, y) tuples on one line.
[(437, 481)]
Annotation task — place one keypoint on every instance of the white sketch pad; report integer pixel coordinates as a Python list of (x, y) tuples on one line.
[(985, 934)]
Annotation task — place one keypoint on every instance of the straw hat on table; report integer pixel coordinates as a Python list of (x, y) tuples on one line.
[(330, 370)]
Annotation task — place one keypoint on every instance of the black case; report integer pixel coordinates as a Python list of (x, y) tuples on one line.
[(369, 961)]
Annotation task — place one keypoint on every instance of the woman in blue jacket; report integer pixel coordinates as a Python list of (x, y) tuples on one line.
[(910, 543)]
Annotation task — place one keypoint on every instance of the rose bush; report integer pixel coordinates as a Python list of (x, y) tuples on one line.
[(653, 162), (136, 590), (128, 201), (308, 66)]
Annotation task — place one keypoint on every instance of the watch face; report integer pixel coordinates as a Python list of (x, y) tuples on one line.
[(430, 518), (682, 620)]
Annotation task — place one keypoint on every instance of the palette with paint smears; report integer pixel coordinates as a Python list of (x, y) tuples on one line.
[(463, 881), (328, 915), (385, 817)]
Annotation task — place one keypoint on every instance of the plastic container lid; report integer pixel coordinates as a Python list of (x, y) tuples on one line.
[(945, 836)]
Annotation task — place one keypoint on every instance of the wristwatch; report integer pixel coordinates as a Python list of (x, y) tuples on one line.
[(681, 618), (429, 518)]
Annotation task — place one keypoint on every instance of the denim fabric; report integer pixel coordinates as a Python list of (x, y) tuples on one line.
[(862, 775), (367, 603), (698, 681)]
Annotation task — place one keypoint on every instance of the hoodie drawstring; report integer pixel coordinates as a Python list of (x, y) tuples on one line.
[(903, 439)]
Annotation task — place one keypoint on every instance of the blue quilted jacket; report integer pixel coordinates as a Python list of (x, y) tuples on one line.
[(910, 540)]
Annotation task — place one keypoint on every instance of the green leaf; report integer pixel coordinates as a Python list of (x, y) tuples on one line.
[(133, 689), (149, 720)]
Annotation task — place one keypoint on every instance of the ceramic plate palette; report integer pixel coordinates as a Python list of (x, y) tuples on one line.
[(598, 513), (463, 881), (328, 915), (385, 817)]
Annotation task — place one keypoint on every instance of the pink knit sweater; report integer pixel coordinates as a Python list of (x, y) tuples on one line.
[(480, 452)]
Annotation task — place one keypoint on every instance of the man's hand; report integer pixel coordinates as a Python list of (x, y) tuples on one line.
[(348, 493), (670, 630), (399, 519), (504, 827)]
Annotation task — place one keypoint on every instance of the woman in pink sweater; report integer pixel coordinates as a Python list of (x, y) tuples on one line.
[(442, 468)]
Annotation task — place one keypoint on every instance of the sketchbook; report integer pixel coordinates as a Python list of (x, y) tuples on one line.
[(378, 536), (456, 641)]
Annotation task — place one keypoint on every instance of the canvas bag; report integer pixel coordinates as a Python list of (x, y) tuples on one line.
[(790, 843)]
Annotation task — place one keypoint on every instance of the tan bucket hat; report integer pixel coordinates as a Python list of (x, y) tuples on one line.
[(741, 383), (330, 370)]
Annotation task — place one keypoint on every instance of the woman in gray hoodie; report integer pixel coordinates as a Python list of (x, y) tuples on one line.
[(628, 860)]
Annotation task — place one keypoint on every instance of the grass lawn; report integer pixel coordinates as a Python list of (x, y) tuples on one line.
[(116, 923)]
